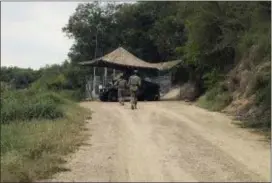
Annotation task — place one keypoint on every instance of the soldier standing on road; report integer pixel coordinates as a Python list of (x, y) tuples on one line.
[(121, 84), (134, 84)]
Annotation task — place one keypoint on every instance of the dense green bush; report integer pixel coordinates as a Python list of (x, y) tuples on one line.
[(75, 95), (49, 95), (263, 96), (65, 79), (28, 104), (211, 79), (18, 77), (260, 121), (215, 99)]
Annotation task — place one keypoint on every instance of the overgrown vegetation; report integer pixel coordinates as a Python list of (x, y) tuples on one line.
[(34, 150), (37, 129), (66, 78), (215, 99), (27, 105)]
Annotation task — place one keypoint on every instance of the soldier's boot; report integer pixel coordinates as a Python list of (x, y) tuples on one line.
[(135, 104), (132, 104)]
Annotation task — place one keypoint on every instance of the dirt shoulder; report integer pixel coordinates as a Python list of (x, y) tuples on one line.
[(166, 141)]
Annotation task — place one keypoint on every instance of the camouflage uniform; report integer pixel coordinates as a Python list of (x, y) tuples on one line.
[(121, 84), (134, 83)]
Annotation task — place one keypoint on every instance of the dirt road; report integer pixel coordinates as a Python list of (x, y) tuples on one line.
[(166, 141)]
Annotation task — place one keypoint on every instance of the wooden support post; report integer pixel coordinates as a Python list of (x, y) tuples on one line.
[(105, 75), (94, 83)]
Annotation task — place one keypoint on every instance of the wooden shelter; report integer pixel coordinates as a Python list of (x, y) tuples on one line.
[(121, 59)]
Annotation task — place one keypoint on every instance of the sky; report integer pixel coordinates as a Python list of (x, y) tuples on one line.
[(31, 34)]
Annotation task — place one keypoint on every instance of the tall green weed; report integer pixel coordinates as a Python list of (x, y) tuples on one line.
[(30, 104)]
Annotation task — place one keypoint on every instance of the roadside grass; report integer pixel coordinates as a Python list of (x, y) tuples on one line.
[(33, 149), (26, 105), (214, 100), (258, 120)]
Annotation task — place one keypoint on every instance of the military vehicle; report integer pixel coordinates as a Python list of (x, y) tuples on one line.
[(148, 91)]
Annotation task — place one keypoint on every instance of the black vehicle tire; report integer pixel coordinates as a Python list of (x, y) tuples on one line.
[(156, 98), (112, 97), (140, 98), (150, 98), (102, 99)]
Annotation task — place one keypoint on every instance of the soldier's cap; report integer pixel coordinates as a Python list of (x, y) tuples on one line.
[(135, 71)]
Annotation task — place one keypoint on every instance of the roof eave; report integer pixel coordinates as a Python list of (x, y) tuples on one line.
[(95, 63)]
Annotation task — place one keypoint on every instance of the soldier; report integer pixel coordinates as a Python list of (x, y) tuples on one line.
[(121, 84), (134, 84)]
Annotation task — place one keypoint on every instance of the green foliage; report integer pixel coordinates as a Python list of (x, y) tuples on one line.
[(261, 121), (4, 86), (52, 96), (39, 101), (66, 77), (36, 121), (34, 151), (259, 40), (263, 95), (18, 77), (75, 95), (58, 82), (27, 105), (151, 30), (215, 99), (212, 78)]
